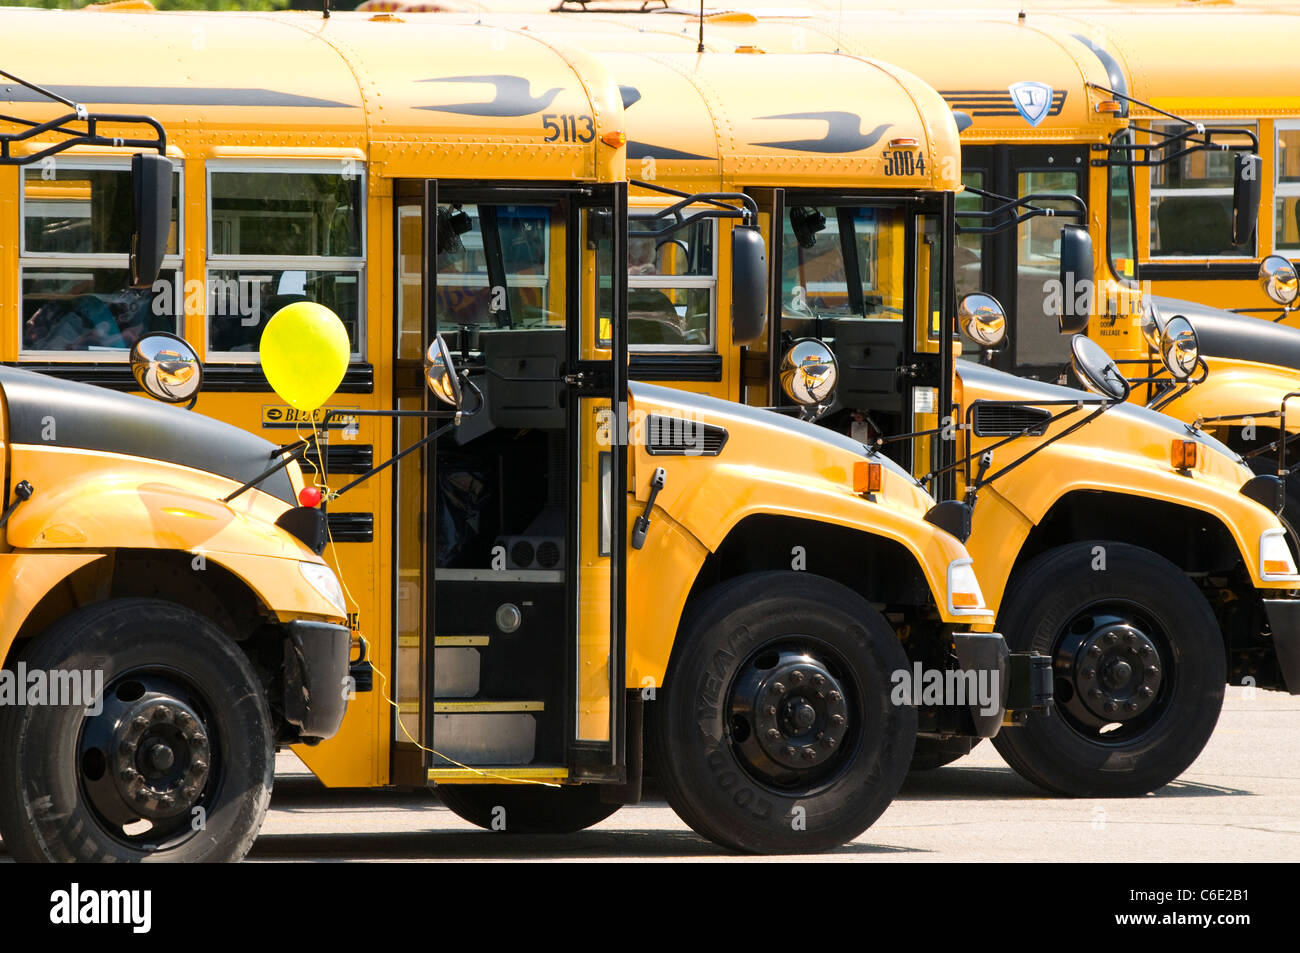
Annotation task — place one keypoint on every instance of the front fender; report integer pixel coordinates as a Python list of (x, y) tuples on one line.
[(25, 579), (87, 499), (1239, 387)]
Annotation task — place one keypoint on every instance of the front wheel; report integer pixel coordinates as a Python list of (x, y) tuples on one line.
[(775, 731), (527, 808), (1138, 665), (173, 762)]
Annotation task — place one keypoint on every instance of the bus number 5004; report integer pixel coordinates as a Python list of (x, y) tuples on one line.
[(903, 163)]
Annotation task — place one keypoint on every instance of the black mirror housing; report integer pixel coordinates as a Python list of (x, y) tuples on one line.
[(1246, 170), (1076, 268), (748, 285), (151, 177)]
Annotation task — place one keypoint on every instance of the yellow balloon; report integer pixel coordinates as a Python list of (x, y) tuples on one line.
[(304, 352)]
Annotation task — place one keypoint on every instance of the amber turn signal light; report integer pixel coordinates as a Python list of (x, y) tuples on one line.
[(866, 477), (614, 139), (1182, 454)]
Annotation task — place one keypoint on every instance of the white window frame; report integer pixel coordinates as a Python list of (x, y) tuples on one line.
[(674, 282), (1152, 192), (309, 263), (172, 263), (1282, 190)]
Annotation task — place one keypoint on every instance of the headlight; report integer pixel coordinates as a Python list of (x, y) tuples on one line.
[(324, 581), (964, 595), (1275, 560)]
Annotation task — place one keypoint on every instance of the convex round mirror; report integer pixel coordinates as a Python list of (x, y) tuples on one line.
[(809, 372), (166, 367), (982, 318), (1278, 278), (1153, 323), (1179, 348), (440, 373), (1094, 367)]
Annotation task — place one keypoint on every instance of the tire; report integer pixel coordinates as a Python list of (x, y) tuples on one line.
[(1062, 607), (720, 770), (529, 808), (931, 753), (176, 690)]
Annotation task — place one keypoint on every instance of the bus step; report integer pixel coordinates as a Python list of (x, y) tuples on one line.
[(478, 732), (499, 774)]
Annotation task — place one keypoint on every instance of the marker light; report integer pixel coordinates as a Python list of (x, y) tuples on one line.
[(1108, 106), (614, 139), (867, 477), (309, 496), (905, 142), (1182, 454), (964, 595), (1275, 556), (323, 580)]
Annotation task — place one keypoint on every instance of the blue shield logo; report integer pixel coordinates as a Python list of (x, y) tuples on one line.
[(1032, 100)]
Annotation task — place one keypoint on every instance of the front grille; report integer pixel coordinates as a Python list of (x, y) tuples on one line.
[(679, 437), (1004, 420)]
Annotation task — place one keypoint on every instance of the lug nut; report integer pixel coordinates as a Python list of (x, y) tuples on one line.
[(837, 720), (809, 754), (778, 687), (1111, 638), (819, 680), (162, 714), (796, 676), (834, 696), (1130, 706), (139, 722), (1094, 650), (1110, 707), (773, 734), (1152, 671), (1095, 693), (829, 742), (1130, 638), (1144, 649), (770, 711), (1089, 673), (1146, 692), (789, 751)]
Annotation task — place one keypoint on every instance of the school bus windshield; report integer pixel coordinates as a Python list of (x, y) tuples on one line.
[(843, 262)]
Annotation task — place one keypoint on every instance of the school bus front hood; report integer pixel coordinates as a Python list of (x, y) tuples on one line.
[(747, 462), (1128, 437)]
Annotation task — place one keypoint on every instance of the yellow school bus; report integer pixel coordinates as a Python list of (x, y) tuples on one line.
[(882, 291), (571, 546)]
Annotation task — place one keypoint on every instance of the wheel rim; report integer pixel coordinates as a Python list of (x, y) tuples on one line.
[(794, 715), (146, 761), (1113, 666)]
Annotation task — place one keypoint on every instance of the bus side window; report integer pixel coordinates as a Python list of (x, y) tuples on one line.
[(76, 216), (280, 233)]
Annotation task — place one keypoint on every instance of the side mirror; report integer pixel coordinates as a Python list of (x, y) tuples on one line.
[(809, 372), (166, 367), (1246, 168), (1076, 269), (440, 373), (982, 318), (1278, 278), (1094, 367), (748, 285), (151, 179), (1153, 324), (1179, 348)]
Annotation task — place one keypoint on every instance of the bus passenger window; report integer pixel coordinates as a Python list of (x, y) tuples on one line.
[(76, 231), (277, 234), (1287, 189), (671, 286), (1191, 203)]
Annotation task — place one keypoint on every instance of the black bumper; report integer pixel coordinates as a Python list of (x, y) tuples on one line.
[(316, 683), (1284, 621), (1024, 680)]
